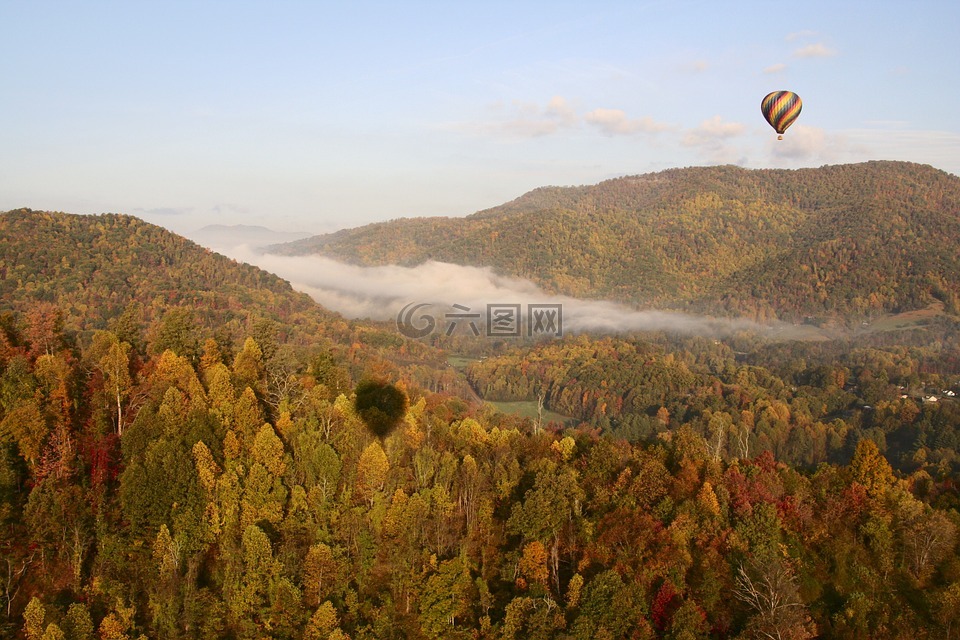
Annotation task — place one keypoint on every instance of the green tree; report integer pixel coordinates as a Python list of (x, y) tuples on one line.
[(163, 599), (246, 586), (533, 618), (77, 624), (128, 326), (176, 331), (689, 622), (61, 523), (601, 611), (445, 597), (549, 512), (316, 464), (53, 632), (17, 384)]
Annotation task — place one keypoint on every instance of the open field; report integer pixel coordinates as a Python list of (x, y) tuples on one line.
[(905, 320), (528, 409)]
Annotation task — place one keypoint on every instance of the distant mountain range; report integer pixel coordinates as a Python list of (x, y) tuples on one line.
[(222, 236), (849, 241)]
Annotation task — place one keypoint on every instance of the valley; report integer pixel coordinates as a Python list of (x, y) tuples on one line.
[(191, 448)]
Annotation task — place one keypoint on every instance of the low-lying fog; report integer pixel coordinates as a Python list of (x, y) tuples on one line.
[(452, 293)]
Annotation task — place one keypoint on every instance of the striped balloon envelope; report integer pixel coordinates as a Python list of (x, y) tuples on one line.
[(781, 108)]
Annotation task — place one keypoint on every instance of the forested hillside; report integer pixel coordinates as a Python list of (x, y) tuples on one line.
[(184, 465), (838, 241), (807, 403), (95, 266), (157, 290)]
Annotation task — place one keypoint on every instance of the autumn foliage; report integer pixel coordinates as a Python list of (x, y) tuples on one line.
[(196, 469)]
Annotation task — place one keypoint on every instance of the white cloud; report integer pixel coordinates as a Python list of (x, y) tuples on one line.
[(803, 144), (615, 122), (775, 68), (530, 120), (527, 120), (712, 138), (712, 130), (559, 109), (815, 50)]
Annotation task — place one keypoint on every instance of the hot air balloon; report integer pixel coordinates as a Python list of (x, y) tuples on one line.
[(781, 108)]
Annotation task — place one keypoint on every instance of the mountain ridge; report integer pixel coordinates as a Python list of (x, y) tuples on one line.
[(762, 243), (225, 236), (113, 271)]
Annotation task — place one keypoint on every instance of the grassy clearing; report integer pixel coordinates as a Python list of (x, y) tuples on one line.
[(460, 362), (528, 409), (905, 320)]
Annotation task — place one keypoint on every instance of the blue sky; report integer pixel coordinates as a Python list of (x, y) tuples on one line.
[(313, 116)]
